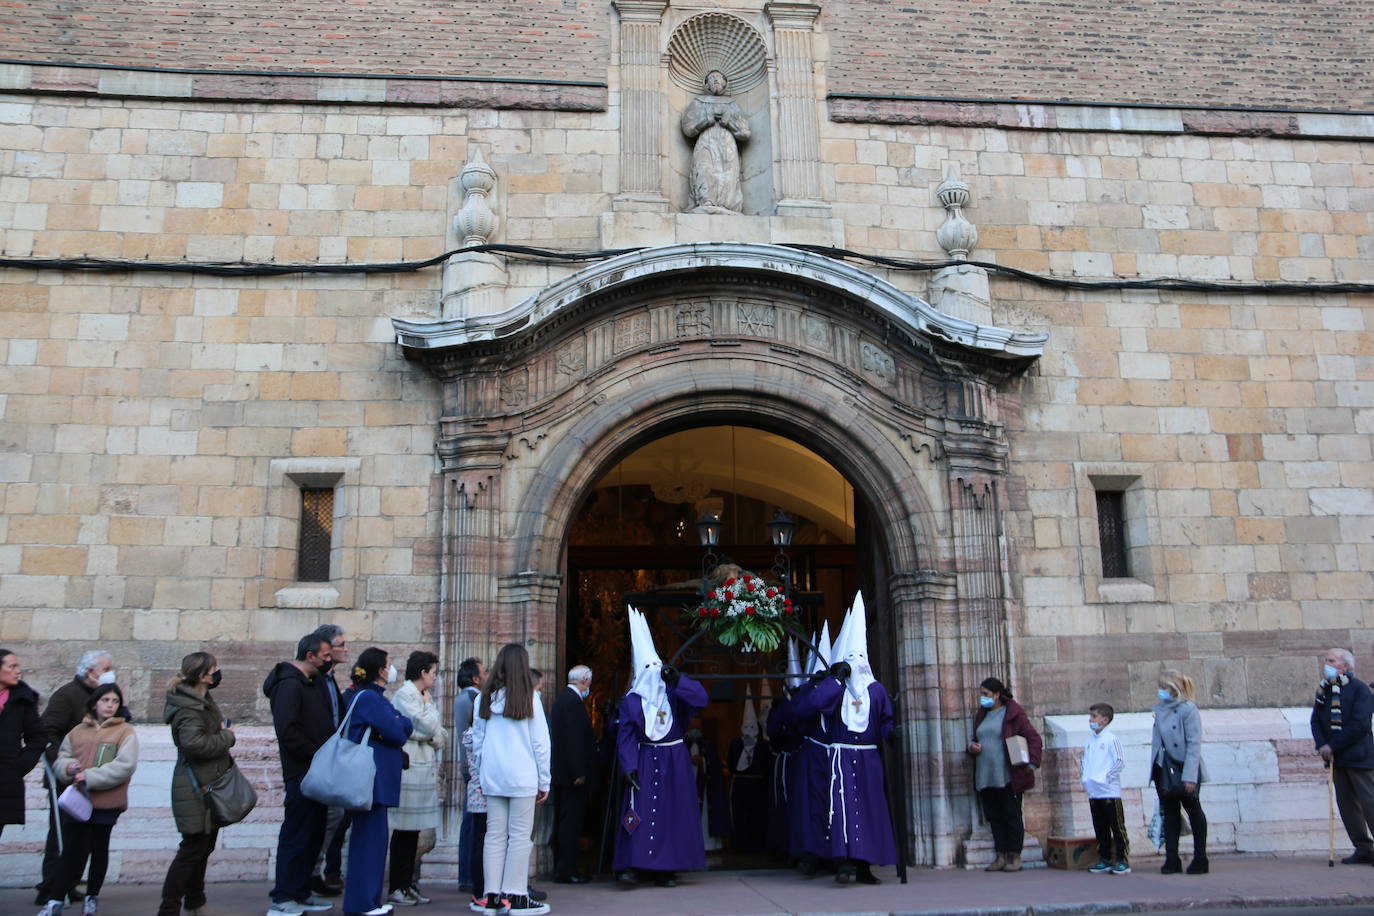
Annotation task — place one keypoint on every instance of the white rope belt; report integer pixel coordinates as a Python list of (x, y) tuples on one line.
[(659, 743), (836, 773)]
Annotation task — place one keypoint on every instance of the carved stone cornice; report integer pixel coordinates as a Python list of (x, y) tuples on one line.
[(904, 312)]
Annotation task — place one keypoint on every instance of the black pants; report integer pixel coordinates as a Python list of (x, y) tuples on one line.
[(1109, 823), (569, 812), (479, 837), (404, 844), (1002, 811), (298, 843), (185, 882), (1355, 802), (1173, 825), (79, 840), (51, 856)]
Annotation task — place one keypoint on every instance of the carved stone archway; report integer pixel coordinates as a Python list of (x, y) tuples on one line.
[(539, 401)]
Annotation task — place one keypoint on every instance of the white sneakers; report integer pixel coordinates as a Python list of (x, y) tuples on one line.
[(313, 904)]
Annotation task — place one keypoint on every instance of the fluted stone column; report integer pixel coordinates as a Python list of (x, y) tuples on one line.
[(798, 143), (641, 106)]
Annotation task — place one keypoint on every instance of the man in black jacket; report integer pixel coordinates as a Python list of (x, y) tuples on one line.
[(1341, 732), (303, 721), (574, 769)]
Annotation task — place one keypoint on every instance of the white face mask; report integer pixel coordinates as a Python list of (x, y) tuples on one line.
[(391, 674), (1095, 726), (107, 678)]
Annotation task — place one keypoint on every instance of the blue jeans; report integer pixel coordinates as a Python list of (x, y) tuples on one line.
[(467, 847), (298, 843)]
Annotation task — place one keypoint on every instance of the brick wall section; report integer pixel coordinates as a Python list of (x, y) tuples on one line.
[(532, 39), (1177, 52)]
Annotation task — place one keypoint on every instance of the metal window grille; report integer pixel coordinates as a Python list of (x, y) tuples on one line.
[(317, 534), (1111, 533)]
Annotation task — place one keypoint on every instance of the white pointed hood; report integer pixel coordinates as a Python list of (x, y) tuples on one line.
[(749, 737), (822, 661), (795, 676), (646, 678), (765, 700), (852, 646)]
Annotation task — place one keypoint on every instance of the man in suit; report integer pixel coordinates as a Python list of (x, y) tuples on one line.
[(574, 771)]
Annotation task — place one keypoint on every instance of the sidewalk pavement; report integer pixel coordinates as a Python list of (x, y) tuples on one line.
[(1235, 882)]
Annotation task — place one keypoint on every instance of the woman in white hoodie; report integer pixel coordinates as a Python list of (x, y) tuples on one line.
[(510, 740)]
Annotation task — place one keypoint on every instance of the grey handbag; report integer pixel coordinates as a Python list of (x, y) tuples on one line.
[(229, 797), (342, 773)]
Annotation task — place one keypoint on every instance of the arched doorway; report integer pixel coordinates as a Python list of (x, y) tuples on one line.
[(541, 402), (635, 541)]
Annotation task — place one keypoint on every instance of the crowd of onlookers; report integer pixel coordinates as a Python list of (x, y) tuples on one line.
[(509, 762), (89, 751)]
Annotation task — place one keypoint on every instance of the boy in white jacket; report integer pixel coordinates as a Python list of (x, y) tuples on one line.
[(1102, 765)]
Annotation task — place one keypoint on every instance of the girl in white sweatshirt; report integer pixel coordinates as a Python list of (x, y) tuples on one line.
[(510, 739)]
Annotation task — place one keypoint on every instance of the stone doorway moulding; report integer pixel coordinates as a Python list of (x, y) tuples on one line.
[(540, 399)]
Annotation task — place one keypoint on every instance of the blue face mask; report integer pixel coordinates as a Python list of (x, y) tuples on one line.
[(1165, 695), (1095, 726), (585, 693), (986, 702), (1330, 672)]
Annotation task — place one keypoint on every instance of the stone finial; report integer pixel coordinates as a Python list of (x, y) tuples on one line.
[(956, 235), (475, 221)]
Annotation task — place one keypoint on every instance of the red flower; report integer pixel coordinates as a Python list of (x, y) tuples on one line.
[(749, 610), (715, 612), (772, 593), (730, 581), (748, 578), (787, 602), (729, 596), (788, 609), (701, 612), (712, 595)]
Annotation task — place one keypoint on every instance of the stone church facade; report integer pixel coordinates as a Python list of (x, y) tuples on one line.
[(160, 426)]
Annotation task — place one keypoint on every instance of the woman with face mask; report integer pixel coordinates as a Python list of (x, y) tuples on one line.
[(419, 807), (100, 754), (1001, 781), (202, 739), (1177, 737), (367, 843)]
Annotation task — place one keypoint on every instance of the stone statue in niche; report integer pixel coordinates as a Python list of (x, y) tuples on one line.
[(718, 125)]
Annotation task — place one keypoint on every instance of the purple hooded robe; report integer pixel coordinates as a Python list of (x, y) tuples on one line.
[(842, 771), (668, 837), (785, 811)]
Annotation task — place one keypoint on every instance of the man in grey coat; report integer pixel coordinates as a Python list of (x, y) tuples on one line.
[(1341, 731)]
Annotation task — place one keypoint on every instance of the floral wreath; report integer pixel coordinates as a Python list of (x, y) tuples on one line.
[(745, 610)]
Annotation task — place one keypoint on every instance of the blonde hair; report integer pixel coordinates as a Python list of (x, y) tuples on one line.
[(1179, 684)]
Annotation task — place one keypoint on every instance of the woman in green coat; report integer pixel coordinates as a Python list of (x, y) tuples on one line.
[(202, 740)]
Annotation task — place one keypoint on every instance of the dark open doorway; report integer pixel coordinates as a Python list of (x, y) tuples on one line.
[(635, 540)]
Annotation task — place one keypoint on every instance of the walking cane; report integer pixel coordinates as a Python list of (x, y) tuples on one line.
[(1330, 814), (54, 811)]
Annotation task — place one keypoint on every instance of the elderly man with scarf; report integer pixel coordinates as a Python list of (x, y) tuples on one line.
[(849, 714), (1341, 731), (660, 824)]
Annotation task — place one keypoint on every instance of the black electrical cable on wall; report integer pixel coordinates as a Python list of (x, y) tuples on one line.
[(250, 269)]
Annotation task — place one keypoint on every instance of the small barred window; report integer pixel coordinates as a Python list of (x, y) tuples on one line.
[(317, 533)]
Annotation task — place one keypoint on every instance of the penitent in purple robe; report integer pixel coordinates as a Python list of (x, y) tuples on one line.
[(668, 837), (785, 813), (842, 771)]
